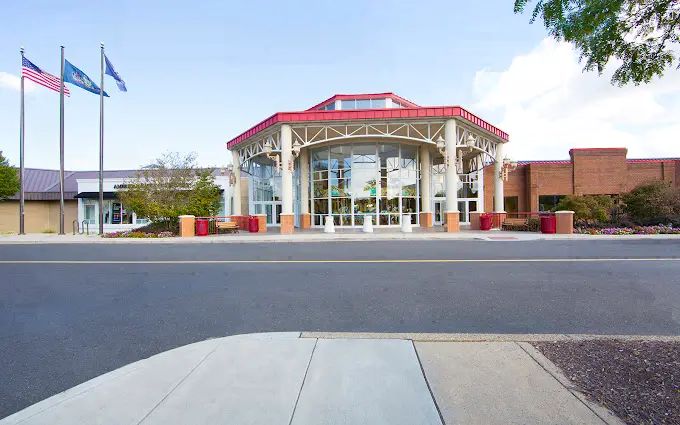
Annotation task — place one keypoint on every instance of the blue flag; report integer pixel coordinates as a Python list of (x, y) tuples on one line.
[(112, 72), (78, 78)]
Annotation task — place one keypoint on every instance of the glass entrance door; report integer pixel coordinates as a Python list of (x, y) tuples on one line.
[(465, 207), (439, 207)]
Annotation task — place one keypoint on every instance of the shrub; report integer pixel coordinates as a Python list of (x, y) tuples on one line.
[(159, 227), (588, 208), (653, 203), (137, 234), (534, 224), (48, 230)]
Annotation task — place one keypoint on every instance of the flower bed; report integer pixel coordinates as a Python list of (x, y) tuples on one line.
[(638, 230), (139, 235)]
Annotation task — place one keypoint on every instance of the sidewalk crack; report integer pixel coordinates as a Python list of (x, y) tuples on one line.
[(304, 379), (427, 383), (178, 384)]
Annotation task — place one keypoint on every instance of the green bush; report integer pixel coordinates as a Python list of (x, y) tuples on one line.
[(653, 203), (588, 208), (47, 230)]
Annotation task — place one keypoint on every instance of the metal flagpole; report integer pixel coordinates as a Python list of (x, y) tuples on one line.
[(61, 147), (21, 152), (101, 146)]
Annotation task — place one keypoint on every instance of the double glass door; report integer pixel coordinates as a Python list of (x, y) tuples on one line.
[(272, 209), (465, 207)]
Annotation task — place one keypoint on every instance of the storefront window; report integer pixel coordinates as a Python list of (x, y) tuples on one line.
[(264, 190), (89, 213), (511, 206), (351, 180), (548, 202)]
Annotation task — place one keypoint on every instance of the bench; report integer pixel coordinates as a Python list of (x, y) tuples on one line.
[(228, 226), (514, 223)]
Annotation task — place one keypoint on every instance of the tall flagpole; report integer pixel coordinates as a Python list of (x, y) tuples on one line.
[(101, 146), (61, 147), (21, 151)]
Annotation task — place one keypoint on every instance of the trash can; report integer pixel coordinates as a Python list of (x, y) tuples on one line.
[(485, 222), (201, 227), (548, 224), (253, 224)]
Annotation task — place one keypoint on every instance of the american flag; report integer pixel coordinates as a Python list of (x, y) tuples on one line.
[(41, 77)]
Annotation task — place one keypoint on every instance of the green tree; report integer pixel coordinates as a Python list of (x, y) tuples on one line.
[(587, 208), (205, 196), (638, 33), (654, 202), (9, 179), (171, 187)]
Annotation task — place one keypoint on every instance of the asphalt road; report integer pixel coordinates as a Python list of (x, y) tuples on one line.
[(99, 307)]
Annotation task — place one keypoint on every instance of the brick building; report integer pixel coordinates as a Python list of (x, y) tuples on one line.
[(538, 185)]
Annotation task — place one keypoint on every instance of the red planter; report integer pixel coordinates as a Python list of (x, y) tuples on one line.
[(548, 224), (485, 222), (201, 227), (253, 224)]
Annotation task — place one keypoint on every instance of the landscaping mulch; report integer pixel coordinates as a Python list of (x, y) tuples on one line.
[(637, 380)]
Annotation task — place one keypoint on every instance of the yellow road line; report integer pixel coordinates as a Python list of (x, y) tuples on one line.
[(377, 261)]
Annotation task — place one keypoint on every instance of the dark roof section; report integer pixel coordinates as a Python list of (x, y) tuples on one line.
[(43, 185)]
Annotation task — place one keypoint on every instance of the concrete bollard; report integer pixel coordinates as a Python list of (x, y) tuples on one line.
[(368, 224), (329, 227), (406, 226)]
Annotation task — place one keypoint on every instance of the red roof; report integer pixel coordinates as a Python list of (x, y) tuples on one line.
[(367, 114)]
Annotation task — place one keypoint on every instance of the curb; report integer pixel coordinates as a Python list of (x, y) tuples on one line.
[(466, 337), (337, 237)]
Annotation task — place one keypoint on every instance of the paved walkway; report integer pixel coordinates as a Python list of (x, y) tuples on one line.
[(292, 378), (319, 236)]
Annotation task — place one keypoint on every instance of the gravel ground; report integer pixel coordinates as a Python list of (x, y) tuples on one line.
[(637, 380)]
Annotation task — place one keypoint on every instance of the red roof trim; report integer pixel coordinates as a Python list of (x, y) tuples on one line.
[(391, 95), (421, 112)]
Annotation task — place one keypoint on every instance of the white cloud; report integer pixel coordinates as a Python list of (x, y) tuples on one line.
[(13, 82), (549, 106)]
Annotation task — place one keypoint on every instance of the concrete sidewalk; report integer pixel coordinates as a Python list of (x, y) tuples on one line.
[(288, 378), (318, 236)]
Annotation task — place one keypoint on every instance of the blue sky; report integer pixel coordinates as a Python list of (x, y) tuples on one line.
[(200, 73)]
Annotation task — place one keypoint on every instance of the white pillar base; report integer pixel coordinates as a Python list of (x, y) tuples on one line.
[(368, 224), (406, 226), (329, 227)]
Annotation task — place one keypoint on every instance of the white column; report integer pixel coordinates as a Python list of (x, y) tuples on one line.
[(338, 104), (451, 137), (304, 181), (425, 168), (480, 183), (236, 192), (286, 143), (498, 181)]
